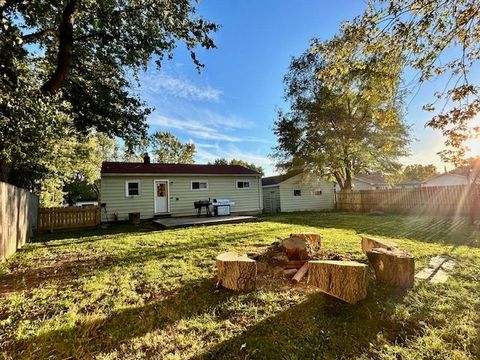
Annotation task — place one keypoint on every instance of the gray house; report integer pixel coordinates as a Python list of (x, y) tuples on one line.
[(297, 192), (171, 189)]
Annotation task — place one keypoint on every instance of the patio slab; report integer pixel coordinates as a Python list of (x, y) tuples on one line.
[(180, 222)]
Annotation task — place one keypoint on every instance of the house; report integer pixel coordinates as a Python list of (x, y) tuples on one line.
[(369, 182), (171, 189), (297, 192), (446, 179), (408, 184)]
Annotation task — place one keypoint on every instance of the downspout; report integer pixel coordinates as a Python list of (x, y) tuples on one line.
[(260, 189)]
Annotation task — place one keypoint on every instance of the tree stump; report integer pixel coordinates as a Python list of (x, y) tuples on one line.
[(393, 267), (236, 272), (301, 246), (345, 280), (369, 243), (313, 239)]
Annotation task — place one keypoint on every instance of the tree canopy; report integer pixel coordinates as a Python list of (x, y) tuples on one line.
[(69, 69), (437, 39), (338, 130), (419, 172), (168, 149), (251, 166)]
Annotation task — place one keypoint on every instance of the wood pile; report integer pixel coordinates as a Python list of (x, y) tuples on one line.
[(289, 261)]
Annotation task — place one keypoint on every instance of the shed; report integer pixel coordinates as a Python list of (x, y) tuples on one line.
[(297, 192)]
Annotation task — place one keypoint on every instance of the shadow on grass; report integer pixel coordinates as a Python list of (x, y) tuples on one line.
[(452, 231), (71, 266), (91, 235), (102, 335), (320, 327)]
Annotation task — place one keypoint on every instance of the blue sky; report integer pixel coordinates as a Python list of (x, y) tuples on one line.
[(228, 109)]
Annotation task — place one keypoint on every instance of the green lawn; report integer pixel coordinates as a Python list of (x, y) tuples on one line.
[(136, 292)]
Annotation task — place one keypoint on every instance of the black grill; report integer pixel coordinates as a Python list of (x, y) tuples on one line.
[(203, 204)]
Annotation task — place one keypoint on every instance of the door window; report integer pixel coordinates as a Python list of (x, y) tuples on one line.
[(161, 190)]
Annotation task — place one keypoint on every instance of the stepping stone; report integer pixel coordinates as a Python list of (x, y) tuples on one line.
[(437, 269)]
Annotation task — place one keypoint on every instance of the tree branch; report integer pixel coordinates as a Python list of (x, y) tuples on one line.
[(33, 37), (65, 47)]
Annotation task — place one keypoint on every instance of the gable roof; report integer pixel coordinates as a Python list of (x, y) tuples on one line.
[(155, 168), (277, 179), (372, 179)]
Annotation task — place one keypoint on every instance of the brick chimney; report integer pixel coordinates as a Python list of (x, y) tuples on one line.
[(146, 158)]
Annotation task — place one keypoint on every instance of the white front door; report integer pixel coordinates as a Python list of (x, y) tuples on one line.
[(161, 196)]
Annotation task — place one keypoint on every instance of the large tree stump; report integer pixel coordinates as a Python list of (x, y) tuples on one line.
[(312, 239), (369, 243), (301, 246), (345, 280), (393, 267), (236, 272)]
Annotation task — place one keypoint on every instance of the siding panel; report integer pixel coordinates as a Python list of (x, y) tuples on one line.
[(308, 200), (181, 196)]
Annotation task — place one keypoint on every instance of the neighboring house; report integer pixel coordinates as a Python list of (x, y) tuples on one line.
[(408, 184), (285, 193), (172, 189), (369, 182), (446, 179)]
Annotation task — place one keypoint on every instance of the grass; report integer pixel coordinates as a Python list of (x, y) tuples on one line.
[(136, 292)]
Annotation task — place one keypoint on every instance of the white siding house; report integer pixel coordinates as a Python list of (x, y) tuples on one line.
[(172, 189), (446, 179), (297, 193)]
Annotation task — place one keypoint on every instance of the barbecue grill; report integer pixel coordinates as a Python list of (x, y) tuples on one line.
[(203, 204), (221, 207)]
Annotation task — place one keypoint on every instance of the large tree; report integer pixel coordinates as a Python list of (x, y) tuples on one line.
[(251, 166), (69, 68), (340, 130), (168, 149), (438, 39), (419, 172)]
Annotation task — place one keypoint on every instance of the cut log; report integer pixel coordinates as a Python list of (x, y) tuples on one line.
[(369, 243), (345, 280), (288, 273), (393, 267), (236, 272), (301, 246), (300, 273), (312, 239)]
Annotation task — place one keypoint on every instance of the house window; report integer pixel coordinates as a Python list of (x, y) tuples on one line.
[(200, 185), (297, 192), (132, 188), (243, 184), (318, 192)]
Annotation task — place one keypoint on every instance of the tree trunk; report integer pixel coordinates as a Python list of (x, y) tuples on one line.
[(345, 280), (236, 272), (313, 239), (393, 267), (65, 50), (369, 243), (4, 171)]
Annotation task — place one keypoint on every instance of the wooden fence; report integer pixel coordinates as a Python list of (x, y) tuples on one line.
[(18, 218), (72, 217), (460, 200)]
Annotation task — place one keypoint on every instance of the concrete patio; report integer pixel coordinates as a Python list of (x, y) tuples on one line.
[(181, 222)]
